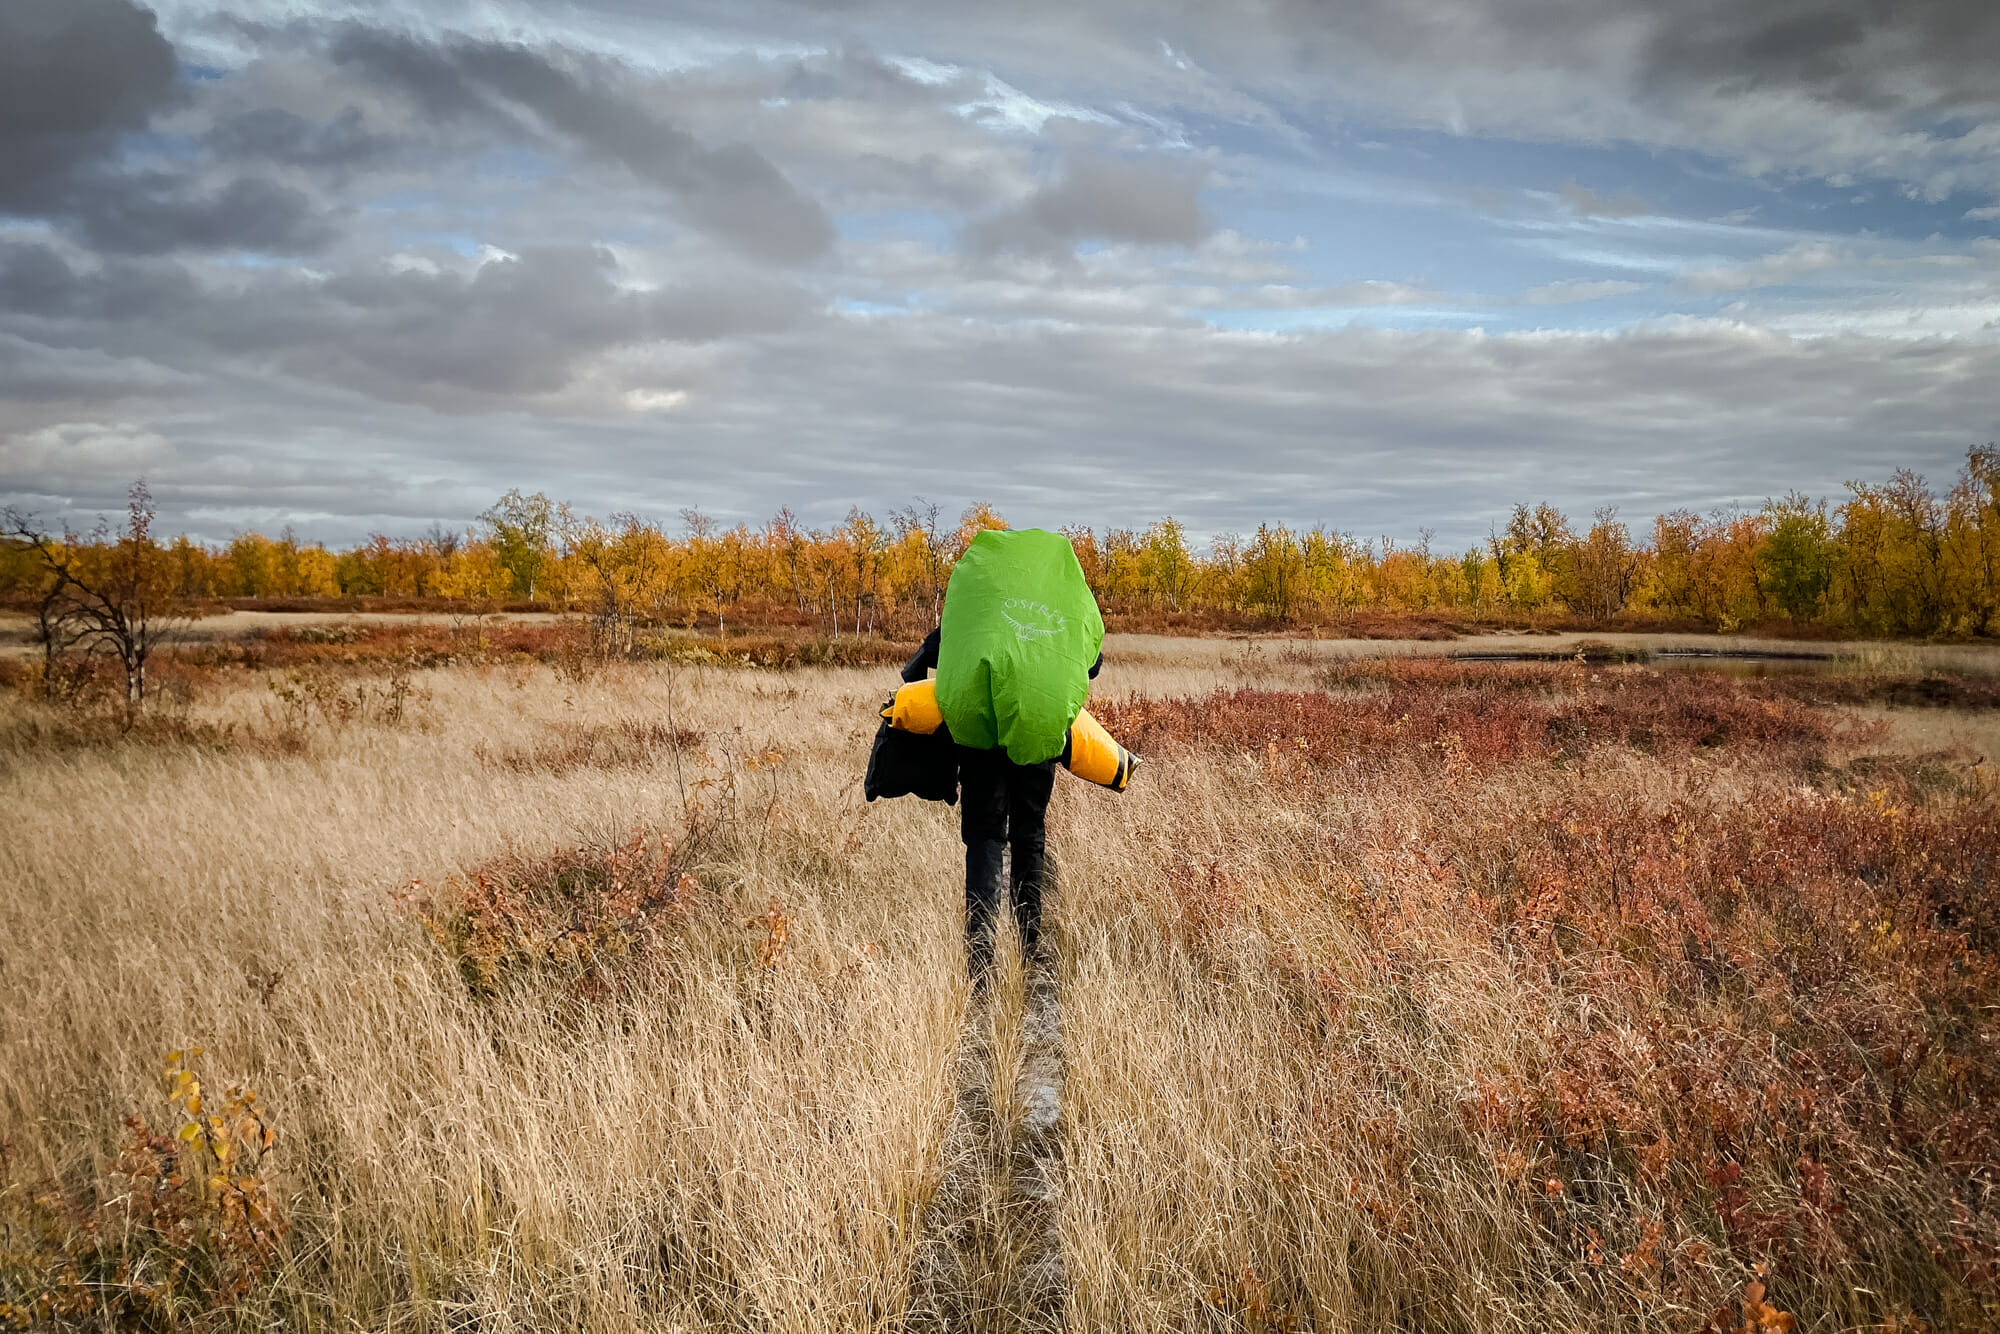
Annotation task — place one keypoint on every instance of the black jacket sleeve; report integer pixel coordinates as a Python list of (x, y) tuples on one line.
[(927, 658)]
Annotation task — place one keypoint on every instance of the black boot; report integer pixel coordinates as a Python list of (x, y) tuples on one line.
[(983, 878)]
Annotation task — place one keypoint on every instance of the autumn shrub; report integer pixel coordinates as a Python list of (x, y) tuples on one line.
[(338, 633), (1391, 623), (1425, 626), (1759, 988), (1440, 713), (356, 646), (94, 682), (83, 707), (782, 653), (182, 1226), (851, 651), (1856, 938), (574, 646), (627, 743), (598, 919), (78, 681), (314, 699)]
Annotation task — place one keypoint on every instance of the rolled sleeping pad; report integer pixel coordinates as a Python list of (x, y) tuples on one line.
[(1092, 754), (1089, 752), (914, 708)]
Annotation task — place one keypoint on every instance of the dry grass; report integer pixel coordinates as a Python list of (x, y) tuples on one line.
[(743, 1139), (1429, 998)]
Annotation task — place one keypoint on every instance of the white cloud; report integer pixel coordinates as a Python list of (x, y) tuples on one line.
[(1370, 292), (72, 449), (1965, 321), (1786, 266), (655, 400)]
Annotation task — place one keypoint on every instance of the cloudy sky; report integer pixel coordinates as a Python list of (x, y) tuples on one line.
[(1383, 264)]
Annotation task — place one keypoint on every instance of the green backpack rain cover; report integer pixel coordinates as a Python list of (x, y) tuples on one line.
[(1021, 631)]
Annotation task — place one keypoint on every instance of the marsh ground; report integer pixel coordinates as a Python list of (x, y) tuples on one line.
[(1397, 994)]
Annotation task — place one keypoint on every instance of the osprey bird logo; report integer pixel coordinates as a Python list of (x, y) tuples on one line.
[(1032, 621)]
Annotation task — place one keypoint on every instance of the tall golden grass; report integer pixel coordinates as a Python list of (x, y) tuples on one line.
[(600, 1001)]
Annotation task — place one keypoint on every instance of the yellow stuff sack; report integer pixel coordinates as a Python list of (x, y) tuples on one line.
[(915, 709), (1090, 753)]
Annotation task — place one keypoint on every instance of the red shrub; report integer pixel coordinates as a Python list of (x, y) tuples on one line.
[(600, 917), (1769, 991), (1437, 712)]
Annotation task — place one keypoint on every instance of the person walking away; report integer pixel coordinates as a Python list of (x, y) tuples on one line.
[(1019, 641)]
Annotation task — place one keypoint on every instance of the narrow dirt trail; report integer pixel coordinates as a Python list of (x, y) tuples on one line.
[(1036, 1159), (992, 1256)]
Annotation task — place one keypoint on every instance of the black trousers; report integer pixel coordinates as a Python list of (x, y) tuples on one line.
[(1002, 806)]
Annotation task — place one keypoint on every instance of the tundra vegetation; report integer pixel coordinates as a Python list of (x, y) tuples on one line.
[(1892, 558), (523, 985)]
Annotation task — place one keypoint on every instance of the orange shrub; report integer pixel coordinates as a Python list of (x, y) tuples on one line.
[(183, 1225), (1769, 1005), (600, 918)]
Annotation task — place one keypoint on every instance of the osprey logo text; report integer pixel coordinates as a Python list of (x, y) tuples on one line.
[(1032, 620)]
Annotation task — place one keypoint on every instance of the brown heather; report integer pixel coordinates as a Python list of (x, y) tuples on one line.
[(1397, 994)]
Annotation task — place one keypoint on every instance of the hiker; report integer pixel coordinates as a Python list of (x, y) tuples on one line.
[(1016, 649)]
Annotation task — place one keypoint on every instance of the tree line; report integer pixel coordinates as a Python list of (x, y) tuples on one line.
[(1895, 558)]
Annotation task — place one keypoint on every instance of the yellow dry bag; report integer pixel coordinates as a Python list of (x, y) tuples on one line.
[(914, 708), (1090, 753)]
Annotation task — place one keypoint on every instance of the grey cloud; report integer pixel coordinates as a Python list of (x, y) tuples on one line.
[(1062, 423), (865, 131), (1128, 408), (155, 212), (1829, 87), (75, 76), (508, 332), (38, 281), (731, 192), (1920, 55), (36, 374), (273, 134), (516, 328), (1873, 55), (1029, 290), (35, 280), (858, 73), (1099, 198), (1825, 86), (707, 310)]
